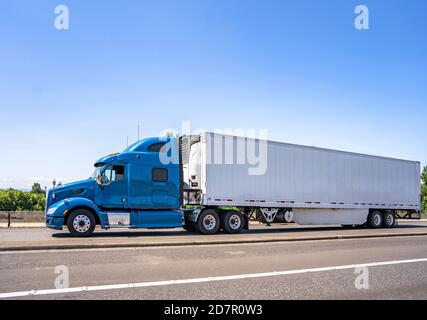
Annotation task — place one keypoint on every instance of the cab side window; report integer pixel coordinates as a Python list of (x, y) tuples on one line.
[(159, 175), (115, 173), (156, 147)]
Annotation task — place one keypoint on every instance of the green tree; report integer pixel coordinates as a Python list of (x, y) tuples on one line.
[(36, 188), (424, 190), (15, 200), (7, 201)]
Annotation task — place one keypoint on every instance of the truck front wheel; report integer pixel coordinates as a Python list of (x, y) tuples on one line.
[(208, 222), (81, 223)]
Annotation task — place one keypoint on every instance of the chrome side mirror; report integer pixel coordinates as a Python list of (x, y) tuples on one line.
[(99, 179), (102, 179)]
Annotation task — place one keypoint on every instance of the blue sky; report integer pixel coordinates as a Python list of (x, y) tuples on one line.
[(296, 68)]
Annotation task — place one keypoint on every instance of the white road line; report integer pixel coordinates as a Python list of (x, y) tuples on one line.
[(199, 280)]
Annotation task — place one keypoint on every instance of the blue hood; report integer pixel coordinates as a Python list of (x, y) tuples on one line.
[(82, 189)]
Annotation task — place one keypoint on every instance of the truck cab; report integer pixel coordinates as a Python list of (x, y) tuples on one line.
[(137, 188)]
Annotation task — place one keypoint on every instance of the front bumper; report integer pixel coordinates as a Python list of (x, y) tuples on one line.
[(54, 222)]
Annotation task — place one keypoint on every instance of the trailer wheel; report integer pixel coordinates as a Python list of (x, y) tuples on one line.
[(389, 219), (288, 216), (375, 220), (232, 221), (81, 223), (208, 222)]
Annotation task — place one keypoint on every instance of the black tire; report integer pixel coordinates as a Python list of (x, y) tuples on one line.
[(389, 219), (81, 223), (208, 222), (189, 226), (375, 220), (232, 222)]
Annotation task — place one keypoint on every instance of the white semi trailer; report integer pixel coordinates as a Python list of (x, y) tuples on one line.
[(233, 179)]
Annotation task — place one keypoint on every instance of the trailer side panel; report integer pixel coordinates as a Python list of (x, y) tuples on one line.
[(304, 177)]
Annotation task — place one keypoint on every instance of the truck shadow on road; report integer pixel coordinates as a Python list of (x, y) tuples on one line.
[(255, 231)]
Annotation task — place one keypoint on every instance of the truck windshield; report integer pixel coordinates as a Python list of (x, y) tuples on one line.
[(95, 172)]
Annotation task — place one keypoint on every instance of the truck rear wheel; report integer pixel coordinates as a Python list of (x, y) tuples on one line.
[(389, 219), (81, 223), (232, 221), (188, 226), (208, 222), (375, 220)]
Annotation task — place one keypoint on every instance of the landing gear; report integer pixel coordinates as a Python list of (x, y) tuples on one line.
[(269, 214)]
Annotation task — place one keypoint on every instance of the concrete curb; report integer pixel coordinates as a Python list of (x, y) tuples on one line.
[(14, 225), (196, 243)]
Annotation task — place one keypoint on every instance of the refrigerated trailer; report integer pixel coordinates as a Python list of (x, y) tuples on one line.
[(316, 185), (210, 182)]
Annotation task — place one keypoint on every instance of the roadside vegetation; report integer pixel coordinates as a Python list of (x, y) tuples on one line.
[(16, 200)]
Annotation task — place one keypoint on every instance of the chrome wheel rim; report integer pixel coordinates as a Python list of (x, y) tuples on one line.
[(81, 223), (235, 222), (389, 220), (209, 222), (377, 219), (289, 216)]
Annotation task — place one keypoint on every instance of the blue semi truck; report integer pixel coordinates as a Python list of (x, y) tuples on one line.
[(198, 183), (131, 189)]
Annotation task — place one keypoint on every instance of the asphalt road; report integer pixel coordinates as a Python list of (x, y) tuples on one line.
[(37, 234), (43, 238), (35, 270)]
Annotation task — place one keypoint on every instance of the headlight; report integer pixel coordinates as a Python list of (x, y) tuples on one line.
[(51, 211)]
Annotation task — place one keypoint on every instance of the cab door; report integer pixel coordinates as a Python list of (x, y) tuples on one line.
[(151, 187), (114, 194)]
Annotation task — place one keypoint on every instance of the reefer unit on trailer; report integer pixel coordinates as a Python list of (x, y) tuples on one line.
[(318, 186)]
